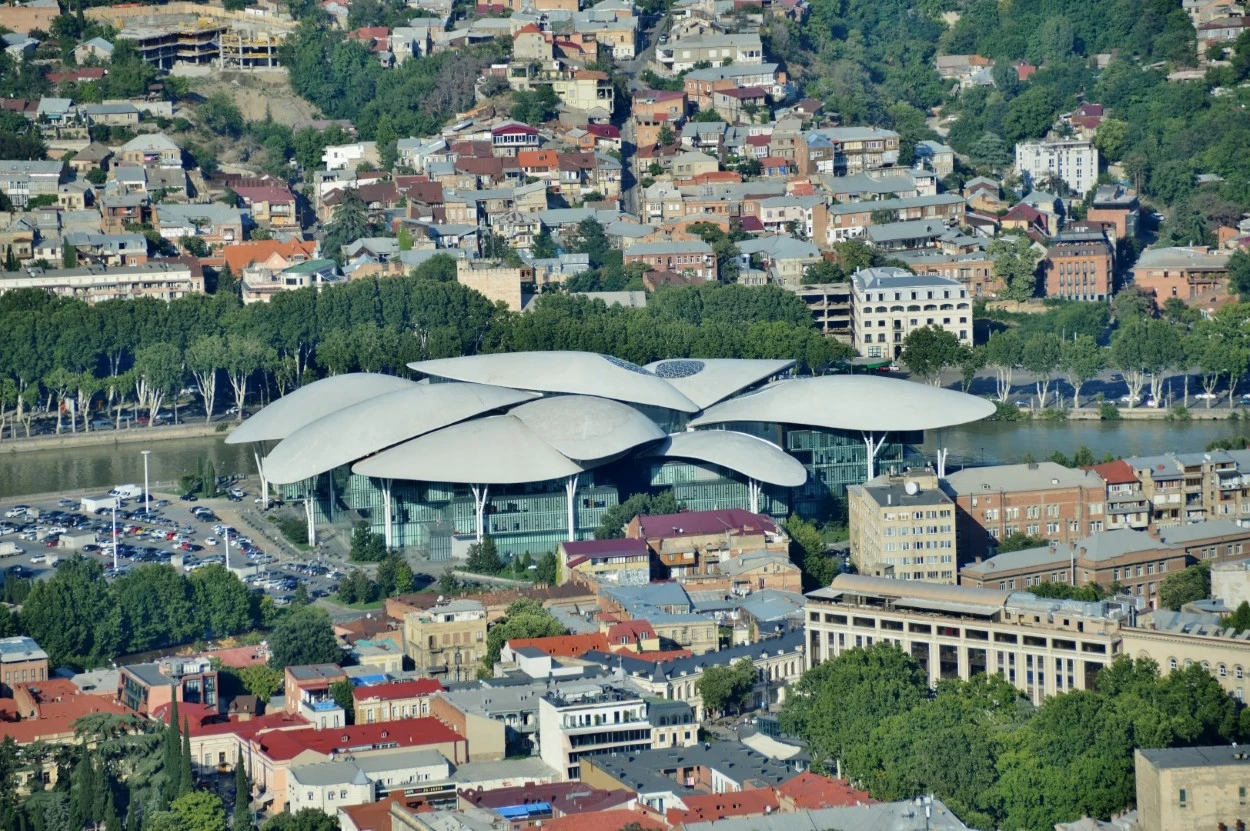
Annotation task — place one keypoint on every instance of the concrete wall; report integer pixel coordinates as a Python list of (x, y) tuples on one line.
[(486, 737)]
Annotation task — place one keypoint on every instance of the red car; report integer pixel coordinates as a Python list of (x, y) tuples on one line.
[(52, 542)]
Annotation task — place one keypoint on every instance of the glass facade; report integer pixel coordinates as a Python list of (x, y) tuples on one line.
[(533, 518)]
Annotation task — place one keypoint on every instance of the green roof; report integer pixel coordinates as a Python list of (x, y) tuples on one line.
[(309, 266)]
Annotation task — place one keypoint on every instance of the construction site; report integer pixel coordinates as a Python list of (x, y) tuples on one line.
[(191, 34)]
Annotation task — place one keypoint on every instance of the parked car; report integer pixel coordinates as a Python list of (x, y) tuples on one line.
[(1206, 396)]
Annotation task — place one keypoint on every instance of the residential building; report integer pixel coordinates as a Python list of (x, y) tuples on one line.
[(903, 527), (395, 700), (328, 786), (349, 156), (1133, 560), (115, 114), (1117, 206), (97, 48), (693, 258), (152, 150), (1079, 266), (164, 280), (497, 281), (975, 269), (844, 150), (888, 303), (604, 721), (680, 55), (1230, 582), (830, 305), (622, 562), (1192, 788), (21, 660), (20, 180), (447, 641), (966, 70), (270, 204), (108, 249), (700, 84), (145, 687), (1126, 506), (213, 222), (49, 712), (507, 139), (694, 543), (785, 258), (1187, 273), (1072, 161), (309, 680), (1038, 499), (259, 283), (741, 105), (938, 157), (1188, 487)]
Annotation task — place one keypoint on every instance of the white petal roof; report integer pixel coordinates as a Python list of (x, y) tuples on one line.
[(754, 457), (708, 380), (496, 450), (585, 427), (307, 404), (581, 373), (372, 425), (851, 402)]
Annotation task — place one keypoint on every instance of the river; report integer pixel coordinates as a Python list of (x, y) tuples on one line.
[(65, 469)]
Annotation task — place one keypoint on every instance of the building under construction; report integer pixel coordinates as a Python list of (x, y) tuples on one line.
[(203, 35)]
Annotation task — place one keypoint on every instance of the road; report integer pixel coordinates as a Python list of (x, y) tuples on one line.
[(631, 197), (1109, 383)]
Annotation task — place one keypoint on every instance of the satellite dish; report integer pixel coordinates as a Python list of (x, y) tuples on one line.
[(912, 488)]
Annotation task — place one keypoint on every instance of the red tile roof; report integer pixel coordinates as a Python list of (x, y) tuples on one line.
[(239, 656), (605, 821), (514, 129), (628, 631), (53, 707), (591, 548), (607, 131), (411, 732), (690, 523), (397, 690), (711, 807), (565, 797), (242, 254), (1118, 472), (564, 646), (810, 791), (264, 193)]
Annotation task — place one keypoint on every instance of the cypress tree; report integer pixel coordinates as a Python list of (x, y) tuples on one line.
[(173, 754), (81, 784), (242, 797), (132, 815), (101, 793), (186, 782), (112, 819)]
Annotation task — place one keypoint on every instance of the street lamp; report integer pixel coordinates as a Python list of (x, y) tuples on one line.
[(147, 494), (115, 535)]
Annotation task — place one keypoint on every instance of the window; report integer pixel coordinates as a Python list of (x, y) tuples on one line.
[(1184, 798)]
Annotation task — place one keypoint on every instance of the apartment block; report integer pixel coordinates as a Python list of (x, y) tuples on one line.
[(888, 304), (1117, 206), (903, 527), (693, 258), (1187, 273), (1073, 161), (830, 305), (145, 687), (1038, 499), (1192, 788), (1187, 487), (447, 641), (602, 721)]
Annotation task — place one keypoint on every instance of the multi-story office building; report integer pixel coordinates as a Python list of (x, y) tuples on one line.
[(1078, 266), (1037, 499), (447, 641), (1072, 161), (888, 304), (146, 687), (607, 720), (903, 527), (1192, 788)]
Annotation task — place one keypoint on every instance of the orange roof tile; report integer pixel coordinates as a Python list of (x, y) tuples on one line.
[(564, 646), (810, 791), (242, 254), (397, 690), (605, 821), (711, 807)]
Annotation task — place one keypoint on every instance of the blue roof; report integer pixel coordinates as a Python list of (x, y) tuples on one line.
[(524, 811)]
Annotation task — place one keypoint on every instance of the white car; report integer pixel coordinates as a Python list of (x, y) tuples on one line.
[(39, 558), (16, 511), (210, 540), (1206, 396), (1130, 399)]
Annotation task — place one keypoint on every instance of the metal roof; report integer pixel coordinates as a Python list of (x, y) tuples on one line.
[(708, 380), (754, 457), (497, 450), (851, 402), (307, 404), (585, 427), (376, 423), (583, 373)]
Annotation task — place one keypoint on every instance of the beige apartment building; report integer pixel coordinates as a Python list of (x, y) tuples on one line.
[(1192, 788), (888, 304), (447, 641), (164, 280), (903, 527)]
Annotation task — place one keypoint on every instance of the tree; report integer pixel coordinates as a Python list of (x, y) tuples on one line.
[(242, 796), (543, 247), (73, 617), (1015, 264), (1081, 360), (305, 819), (1146, 349), (394, 576), (1043, 355), (1110, 138), (349, 223), (261, 680), (341, 692), (159, 369), (205, 358), (838, 702), (1018, 542), (808, 551), (305, 636), (1239, 274), (929, 350), (548, 571), (614, 519), (200, 811), (1005, 352), (725, 688), (524, 618), (1194, 583), (666, 137), (221, 600), (484, 557), (366, 546), (219, 114), (990, 153), (245, 355), (1239, 620)]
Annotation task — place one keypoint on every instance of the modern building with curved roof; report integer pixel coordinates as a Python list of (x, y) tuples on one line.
[(534, 448)]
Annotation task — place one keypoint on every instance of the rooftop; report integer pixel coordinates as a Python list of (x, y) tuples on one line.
[(697, 523), (20, 648), (1197, 757), (1022, 477)]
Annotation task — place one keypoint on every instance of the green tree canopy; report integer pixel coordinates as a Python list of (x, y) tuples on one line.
[(1179, 588), (727, 688), (305, 636)]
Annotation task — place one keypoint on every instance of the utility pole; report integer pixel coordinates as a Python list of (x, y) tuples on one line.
[(147, 494)]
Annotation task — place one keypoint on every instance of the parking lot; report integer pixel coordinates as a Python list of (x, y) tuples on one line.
[(186, 533)]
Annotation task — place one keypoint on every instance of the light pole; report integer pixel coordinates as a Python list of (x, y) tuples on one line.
[(147, 494), (115, 534)]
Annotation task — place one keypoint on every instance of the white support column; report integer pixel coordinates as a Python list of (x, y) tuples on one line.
[(330, 503), (753, 490), (264, 483), (873, 445), (310, 510), (389, 534), (941, 461), (480, 494), (570, 492)]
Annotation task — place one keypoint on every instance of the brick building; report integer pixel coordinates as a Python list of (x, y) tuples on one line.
[(1079, 266), (21, 660)]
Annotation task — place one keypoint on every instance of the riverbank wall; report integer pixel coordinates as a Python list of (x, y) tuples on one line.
[(97, 438), (1152, 414)]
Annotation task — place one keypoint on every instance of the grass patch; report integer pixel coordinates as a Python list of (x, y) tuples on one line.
[(295, 531), (359, 606), (1179, 414)]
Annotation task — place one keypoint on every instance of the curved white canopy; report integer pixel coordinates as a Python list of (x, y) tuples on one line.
[(851, 402), (307, 404), (380, 422), (585, 427), (708, 380), (496, 450), (753, 457), (578, 373)]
